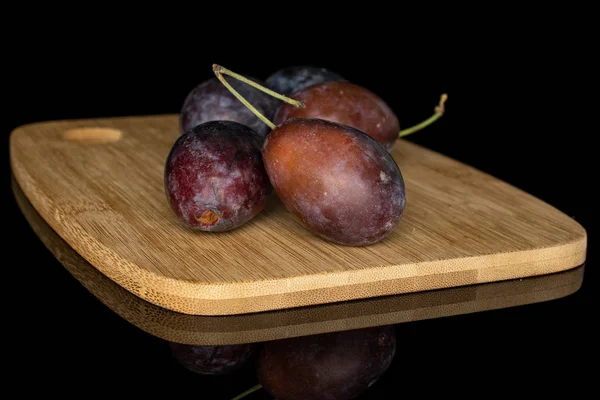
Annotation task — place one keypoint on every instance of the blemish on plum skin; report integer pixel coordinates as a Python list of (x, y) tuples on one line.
[(209, 217)]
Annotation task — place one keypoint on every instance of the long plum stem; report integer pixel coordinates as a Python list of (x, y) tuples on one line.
[(247, 392), (439, 111), (225, 71), (242, 99)]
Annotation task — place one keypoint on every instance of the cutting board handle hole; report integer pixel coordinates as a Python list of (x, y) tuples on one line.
[(93, 135)]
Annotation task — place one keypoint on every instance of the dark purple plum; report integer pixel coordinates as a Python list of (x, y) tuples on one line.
[(212, 101), (292, 79), (214, 176), (331, 366), (212, 360)]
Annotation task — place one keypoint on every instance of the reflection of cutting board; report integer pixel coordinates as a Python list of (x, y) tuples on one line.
[(99, 185)]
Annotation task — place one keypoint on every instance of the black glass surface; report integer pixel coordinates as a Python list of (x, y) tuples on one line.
[(65, 339)]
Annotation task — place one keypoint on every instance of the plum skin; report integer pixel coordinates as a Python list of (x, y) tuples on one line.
[(212, 101), (212, 360), (343, 185), (330, 366), (348, 104), (292, 79), (214, 176)]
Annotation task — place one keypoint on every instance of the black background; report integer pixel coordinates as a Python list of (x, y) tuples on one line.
[(515, 110)]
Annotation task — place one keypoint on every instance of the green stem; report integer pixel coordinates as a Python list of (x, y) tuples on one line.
[(242, 99), (439, 111), (221, 70), (247, 392)]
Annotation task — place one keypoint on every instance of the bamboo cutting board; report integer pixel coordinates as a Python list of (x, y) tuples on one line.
[(99, 184)]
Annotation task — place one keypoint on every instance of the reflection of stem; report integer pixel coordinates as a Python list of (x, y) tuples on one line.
[(439, 111), (247, 392)]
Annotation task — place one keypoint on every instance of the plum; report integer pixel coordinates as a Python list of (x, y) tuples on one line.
[(211, 101), (212, 360), (348, 104), (214, 176), (341, 183), (330, 366), (292, 79)]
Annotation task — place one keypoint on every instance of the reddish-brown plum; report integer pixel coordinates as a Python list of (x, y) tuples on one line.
[(348, 104), (212, 360), (341, 183), (211, 101), (214, 176), (331, 366)]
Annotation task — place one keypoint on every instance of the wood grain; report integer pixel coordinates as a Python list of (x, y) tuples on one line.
[(312, 320), (104, 195)]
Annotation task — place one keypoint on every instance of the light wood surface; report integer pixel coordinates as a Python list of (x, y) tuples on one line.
[(103, 193), (273, 325)]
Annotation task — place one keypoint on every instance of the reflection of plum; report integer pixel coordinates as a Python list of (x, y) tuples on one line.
[(332, 366), (212, 360)]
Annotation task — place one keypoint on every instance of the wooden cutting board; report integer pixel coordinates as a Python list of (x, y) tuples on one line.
[(99, 184), (313, 320)]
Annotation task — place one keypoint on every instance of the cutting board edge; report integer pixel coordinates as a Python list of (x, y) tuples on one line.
[(315, 328), (193, 337)]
